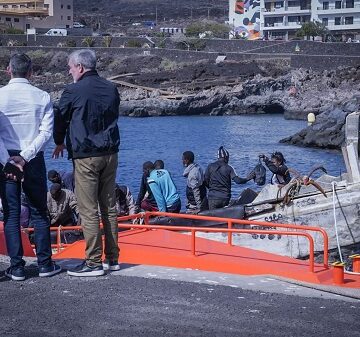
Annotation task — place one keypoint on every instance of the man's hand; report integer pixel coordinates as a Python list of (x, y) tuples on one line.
[(19, 163), (58, 151), (250, 176)]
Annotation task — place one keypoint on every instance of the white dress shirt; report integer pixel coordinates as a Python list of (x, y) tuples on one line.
[(26, 119)]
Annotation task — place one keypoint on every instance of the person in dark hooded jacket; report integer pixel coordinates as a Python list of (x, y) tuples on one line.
[(218, 178), (276, 165)]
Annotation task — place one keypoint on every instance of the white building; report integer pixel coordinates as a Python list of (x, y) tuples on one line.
[(24, 14), (282, 18)]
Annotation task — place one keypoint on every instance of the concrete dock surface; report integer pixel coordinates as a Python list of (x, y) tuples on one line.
[(153, 301)]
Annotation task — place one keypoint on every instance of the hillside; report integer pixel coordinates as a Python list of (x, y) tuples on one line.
[(122, 13)]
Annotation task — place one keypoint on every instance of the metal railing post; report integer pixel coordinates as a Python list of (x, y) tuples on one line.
[(193, 236), (230, 233), (58, 239)]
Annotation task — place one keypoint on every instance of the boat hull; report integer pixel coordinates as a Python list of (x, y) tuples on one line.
[(308, 210)]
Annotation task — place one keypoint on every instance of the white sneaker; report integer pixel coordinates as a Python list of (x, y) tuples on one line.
[(110, 265)]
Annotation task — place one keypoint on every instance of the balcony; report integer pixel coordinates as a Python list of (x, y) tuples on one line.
[(288, 11), (343, 26), (16, 2), (282, 26), (25, 11), (333, 10)]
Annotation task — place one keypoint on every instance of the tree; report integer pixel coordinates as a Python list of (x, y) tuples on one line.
[(88, 41), (133, 44), (184, 42), (181, 41), (312, 28), (218, 30), (107, 41)]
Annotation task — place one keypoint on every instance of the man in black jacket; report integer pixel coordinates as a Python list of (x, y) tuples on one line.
[(218, 178), (87, 116), (145, 199)]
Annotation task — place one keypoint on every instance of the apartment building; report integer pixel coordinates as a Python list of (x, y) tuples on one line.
[(280, 19), (25, 14)]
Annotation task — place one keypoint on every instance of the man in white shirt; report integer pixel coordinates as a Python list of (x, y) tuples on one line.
[(26, 124)]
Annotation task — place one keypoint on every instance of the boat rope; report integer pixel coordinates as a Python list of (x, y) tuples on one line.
[(335, 222), (336, 230)]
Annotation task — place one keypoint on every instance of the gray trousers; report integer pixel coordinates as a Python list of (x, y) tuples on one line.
[(95, 189)]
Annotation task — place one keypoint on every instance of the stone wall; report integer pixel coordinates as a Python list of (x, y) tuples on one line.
[(315, 55)]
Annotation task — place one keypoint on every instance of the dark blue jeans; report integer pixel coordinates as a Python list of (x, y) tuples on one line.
[(35, 188), (175, 207)]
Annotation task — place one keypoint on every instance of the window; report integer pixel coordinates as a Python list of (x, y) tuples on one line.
[(68, 7), (278, 4), (28, 26), (325, 21), (8, 19), (337, 21), (293, 4), (62, 6), (337, 4), (16, 20), (67, 26), (69, 17), (325, 5), (349, 4), (349, 20), (61, 17)]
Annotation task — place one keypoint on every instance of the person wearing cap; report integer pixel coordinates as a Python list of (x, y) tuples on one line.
[(218, 178), (276, 164), (65, 179), (26, 125), (62, 206)]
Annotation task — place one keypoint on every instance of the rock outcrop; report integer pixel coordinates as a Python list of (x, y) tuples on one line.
[(328, 129)]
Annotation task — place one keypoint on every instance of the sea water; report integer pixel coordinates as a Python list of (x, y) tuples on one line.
[(245, 137)]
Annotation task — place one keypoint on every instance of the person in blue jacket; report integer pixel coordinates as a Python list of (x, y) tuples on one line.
[(164, 190)]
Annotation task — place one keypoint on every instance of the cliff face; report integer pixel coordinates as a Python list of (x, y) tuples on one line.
[(292, 92)]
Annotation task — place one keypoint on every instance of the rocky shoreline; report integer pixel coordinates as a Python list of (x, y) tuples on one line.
[(331, 96)]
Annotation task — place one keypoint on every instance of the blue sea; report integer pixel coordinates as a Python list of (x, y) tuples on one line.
[(245, 137)]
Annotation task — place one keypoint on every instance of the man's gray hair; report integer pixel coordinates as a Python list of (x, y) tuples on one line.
[(85, 57), (20, 65)]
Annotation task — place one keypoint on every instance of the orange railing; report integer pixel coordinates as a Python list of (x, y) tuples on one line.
[(297, 230), (230, 222)]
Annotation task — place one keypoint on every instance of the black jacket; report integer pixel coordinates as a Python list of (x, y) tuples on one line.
[(218, 177), (281, 173), (145, 188), (87, 114)]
